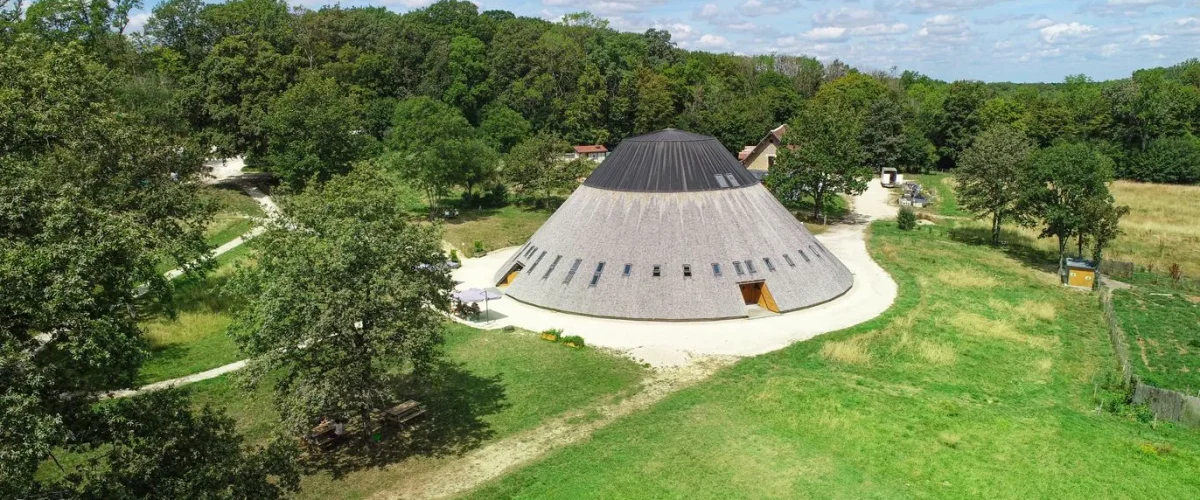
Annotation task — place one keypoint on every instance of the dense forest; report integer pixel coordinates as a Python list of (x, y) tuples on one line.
[(238, 76)]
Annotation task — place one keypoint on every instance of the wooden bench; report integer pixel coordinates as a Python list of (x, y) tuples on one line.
[(404, 412), (324, 436)]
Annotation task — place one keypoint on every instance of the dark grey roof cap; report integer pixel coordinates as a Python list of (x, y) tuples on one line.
[(670, 161)]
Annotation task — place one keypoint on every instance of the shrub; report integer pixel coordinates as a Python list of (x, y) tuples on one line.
[(572, 339), (906, 219), (1171, 160), (454, 256), (553, 332), (478, 248)]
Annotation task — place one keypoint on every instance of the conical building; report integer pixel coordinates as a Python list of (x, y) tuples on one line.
[(671, 227)]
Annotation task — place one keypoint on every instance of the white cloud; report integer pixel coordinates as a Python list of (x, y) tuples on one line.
[(137, 22), (708, 11), (1128, 8), (1039, 23), (945, 29), (1188, 26), (755, 8), (1109, 49), (847, 16), (1064, 31), (879, 29), (826, 34), (713, 42)]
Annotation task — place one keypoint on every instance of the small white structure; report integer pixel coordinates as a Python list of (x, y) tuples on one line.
[(594, 152), (890, 177)]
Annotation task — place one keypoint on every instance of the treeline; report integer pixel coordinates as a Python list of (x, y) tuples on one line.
[(219, 72)]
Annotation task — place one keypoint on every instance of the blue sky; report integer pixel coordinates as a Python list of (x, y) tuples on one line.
[(991, 40)]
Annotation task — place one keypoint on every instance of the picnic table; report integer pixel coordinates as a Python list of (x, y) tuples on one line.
[(404, 412), (324, 435)]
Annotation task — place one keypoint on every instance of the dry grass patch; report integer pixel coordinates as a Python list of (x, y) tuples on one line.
[(851, 351), (962, 277), (979, 326), (938, 354), (1028, 310)]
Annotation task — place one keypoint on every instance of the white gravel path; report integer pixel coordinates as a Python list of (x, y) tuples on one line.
[(666, 344)]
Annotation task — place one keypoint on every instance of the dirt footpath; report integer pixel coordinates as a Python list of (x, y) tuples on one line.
[(492, 461)]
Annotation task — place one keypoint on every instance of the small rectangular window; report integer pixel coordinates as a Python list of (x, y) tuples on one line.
[(596, 276), (628, 270), (721, 180), (536, 262), (571, 273), (770, 266), (716, 269), (737, 266), (788, 258), (732, 180), (750, 266), (815, 252), (552, 266), (804, 256), (687, 271), (657, 271)]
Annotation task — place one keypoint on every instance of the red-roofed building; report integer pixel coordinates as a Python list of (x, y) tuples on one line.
[(594, 152)]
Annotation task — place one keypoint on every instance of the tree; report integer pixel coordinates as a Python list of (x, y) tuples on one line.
[(314, 131), (345, 296), (95, 200), (654, 104), (162, 448), (960, 121), (820, 155), (990, 175), (1062, 183), (503, 128), (883, 138), (1104, 218), (428, 139), (1172, 160), (536, 165), (234, 88)]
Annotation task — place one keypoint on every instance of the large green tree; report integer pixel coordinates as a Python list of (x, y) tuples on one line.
[(990, 176), (347, 296), (537, 167), (820, 156), (1065, 182), (95, 199), (314, 131)]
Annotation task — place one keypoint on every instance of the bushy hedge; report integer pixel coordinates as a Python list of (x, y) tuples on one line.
[(1174, 160)]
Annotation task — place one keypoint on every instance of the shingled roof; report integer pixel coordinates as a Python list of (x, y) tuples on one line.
[(670, 161), (652, 239)]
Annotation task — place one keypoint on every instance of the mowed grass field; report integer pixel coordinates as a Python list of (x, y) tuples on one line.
[(497, 228), (941, 189), (489, 385), (194, 339), (1162, 327), (979, 382)]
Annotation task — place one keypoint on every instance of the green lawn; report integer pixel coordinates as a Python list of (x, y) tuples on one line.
[(979, 382), (497, 228), (194, 340), (492, 384), (941, 186), (235, 213), (1162, 325)]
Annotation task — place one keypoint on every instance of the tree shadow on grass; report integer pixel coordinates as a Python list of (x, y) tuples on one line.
[(1012, 243), (456, 401)]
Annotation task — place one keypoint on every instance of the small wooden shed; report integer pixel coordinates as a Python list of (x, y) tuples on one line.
[(1080, 274)]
